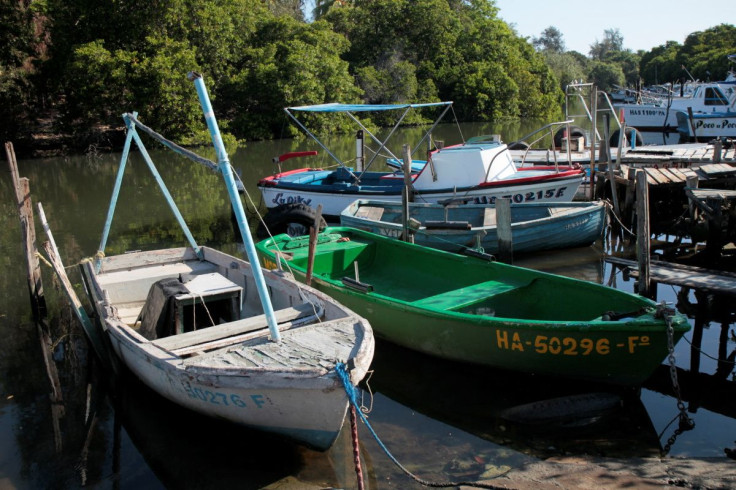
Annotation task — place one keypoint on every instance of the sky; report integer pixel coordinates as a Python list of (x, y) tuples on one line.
[(642, 24)]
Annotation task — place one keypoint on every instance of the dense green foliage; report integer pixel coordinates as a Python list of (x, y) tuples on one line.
[(703, 55), (82, 63)]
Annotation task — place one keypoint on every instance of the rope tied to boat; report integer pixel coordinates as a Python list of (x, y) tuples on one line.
[(342, 372), (685, 422)]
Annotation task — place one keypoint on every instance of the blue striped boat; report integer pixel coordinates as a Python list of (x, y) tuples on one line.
[(455, 227)]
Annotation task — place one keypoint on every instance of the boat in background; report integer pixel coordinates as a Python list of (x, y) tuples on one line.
[(661, 113), (220, 336), (481, 171), (465, 309), (706, 126), (456, 227)]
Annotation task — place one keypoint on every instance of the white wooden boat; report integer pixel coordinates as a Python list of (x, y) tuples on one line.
[(220, 336), (232, 370)]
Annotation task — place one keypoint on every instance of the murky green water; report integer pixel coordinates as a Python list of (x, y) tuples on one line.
[(441, 420)]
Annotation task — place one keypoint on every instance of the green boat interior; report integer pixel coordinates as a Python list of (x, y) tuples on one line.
[(456, 283)]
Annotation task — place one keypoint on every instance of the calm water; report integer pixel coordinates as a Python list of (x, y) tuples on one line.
[(441, 420)]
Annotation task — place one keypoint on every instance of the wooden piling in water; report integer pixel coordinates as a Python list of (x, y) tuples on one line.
[(406, 194), (28, 234), (503, 227), (642, 232), (313, 232)]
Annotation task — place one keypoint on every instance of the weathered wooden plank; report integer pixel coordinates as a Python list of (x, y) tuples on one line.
[(674, 175), (679, 275), (654, 176), (189, 339), (372, 213)]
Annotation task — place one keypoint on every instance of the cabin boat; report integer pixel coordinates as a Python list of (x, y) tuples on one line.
[(661, 113), (482, 171)]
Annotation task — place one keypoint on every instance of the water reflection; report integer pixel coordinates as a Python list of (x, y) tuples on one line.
[(443, 420)]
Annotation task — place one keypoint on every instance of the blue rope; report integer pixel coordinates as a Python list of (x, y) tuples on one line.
[(344, 376)]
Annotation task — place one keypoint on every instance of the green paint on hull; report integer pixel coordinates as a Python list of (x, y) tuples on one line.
[(464, 309)]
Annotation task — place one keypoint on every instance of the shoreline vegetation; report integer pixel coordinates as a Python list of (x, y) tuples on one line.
[(70, 69)]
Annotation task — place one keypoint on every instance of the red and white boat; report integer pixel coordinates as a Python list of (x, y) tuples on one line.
[(480, 172)]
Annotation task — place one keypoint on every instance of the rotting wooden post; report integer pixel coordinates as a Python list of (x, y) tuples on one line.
[(406, 194), (503, 227), (28, 234), (692, 182), (717, 148), (627, 210), (692, 123), (313, 232), (642, 231), (611, 174), (593, 140)]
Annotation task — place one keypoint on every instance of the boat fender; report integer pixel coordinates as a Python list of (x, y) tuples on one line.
[(293, 219), (575, 132), (630, 132)]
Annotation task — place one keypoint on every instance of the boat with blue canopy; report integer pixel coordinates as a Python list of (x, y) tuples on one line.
[(481, 171)]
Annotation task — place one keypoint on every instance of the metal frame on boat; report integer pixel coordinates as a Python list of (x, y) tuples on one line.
[(217, 334)]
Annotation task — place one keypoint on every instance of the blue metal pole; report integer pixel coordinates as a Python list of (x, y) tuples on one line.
[(223, 163), (167, 194), (115, 194)]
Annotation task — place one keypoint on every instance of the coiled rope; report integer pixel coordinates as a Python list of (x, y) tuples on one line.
[(342, 372)]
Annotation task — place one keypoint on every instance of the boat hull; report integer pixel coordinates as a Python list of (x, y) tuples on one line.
[(560, 189), (707, 126), (241, 397), (496, 315), (239, 376), (534, 227)]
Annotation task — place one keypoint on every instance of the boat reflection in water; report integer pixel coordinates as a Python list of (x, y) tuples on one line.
[(184, 449), (535, 415)]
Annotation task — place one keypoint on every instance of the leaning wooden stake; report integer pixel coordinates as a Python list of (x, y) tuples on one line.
[(642, 231), (503, 227), (313, 232), (93, 334), (28, 234)]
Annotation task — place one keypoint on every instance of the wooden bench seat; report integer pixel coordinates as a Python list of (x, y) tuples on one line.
[(175, 343), (458, 298)]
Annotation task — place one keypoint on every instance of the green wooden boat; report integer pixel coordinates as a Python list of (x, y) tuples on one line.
[(466, 309)]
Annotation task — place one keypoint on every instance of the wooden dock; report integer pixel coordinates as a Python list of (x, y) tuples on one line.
[(682, 275), (678, 156)]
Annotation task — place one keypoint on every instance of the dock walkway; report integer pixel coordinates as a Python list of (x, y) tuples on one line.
[(683, 275)]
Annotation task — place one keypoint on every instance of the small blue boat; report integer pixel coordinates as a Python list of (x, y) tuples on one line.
[(455, 227)]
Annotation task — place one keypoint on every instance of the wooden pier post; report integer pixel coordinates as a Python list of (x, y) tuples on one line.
[(28, 234), (593, 141), (691, 181), (609, 166), (642, 232), (503, 227), (313, 232), (717, 149), (406, 194)]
